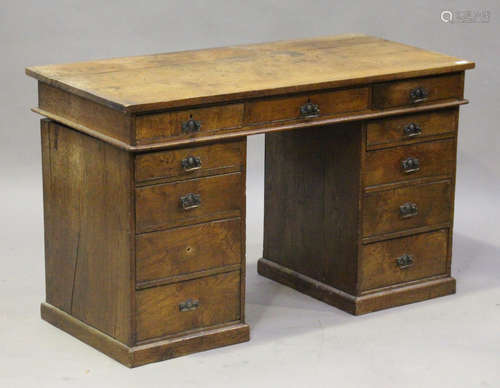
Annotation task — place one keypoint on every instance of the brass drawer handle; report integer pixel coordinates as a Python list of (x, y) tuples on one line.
[(412, 130), (191, 125), (405, 261), (410, 165), (191, 163), (408, 209), (189, 305), (309, 109), (190, 201), (419, 94)]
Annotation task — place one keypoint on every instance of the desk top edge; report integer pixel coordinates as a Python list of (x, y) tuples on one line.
[(243, 71)]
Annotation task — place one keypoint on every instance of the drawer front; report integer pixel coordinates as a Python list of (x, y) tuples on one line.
[(289, 108), (403, 259), (188, 305), (188, 202), (188, 249), (402, 163), (409, 128), (417, 90), (159, 126), (190, 162), (391, 211)]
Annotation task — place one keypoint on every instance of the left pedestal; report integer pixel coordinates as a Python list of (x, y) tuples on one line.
[(128, 270)]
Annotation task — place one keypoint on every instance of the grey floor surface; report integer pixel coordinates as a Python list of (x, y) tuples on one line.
[(296, 341)]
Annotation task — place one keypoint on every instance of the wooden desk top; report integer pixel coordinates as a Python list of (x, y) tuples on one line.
[(154, 82)]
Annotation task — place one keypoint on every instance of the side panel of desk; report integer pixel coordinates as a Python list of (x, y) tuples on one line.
[(89, 229)]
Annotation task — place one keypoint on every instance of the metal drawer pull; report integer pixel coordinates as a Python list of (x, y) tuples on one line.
[(405, 261), (191, 125), (410, 165), (191, 163), (418, 94), (408, 210), (309, 109), (189, 305), (190, 201), (412, 130)]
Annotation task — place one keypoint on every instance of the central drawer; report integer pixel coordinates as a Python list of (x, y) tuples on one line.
[(406, 208), (187, 202), (293, 107), (188, 305)]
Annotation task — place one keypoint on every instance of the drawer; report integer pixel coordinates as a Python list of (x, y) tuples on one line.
[(188, 305), (188, 249), (410, 128), (289, 108), (403, 163), (190, 162), (188, 122), (403, 259), (188, 202), (417, 90), (391, 211)]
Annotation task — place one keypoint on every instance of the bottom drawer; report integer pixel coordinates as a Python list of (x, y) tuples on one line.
[(403, 259), (188, 305)]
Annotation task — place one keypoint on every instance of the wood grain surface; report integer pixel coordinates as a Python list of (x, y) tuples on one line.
[(311, 202), (435, 158), (378, 268), (227, 73), (382, 214), (88, 248), (188, 249), (215, 159), (390, 131), (158, 206), (158, 312)]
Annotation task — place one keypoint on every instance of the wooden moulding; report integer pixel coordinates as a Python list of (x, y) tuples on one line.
[(357, 305), (147, 353), (256, 129)]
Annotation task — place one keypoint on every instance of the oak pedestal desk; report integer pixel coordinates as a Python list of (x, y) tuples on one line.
[(144, 162)]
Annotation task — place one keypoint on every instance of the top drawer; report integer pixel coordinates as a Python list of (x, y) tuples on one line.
[(406, 129), (307, 105), (155, 127), (192, 162), (417, 90)]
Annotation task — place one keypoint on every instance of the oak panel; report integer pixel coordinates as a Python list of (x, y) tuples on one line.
[(88, 250), (312, 181), (86, 112)]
